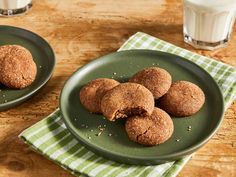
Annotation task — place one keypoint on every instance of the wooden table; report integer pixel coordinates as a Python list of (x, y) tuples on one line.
[(81, 30)]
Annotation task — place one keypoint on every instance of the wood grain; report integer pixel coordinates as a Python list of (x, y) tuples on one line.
[(81, 30)]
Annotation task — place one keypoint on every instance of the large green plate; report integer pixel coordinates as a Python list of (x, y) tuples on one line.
[(43, 56), (84, 125)]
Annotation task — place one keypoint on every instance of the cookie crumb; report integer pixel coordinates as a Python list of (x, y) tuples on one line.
[(98, 134), (109, 134), (114, 73), (91, 130), (89, 137), (101, 129), (177, 140)]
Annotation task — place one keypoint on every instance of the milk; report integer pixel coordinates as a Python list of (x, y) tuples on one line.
[(208, 22), (14, 4)]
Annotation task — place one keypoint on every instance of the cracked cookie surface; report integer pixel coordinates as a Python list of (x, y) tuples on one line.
[(92, 93), (155, 79), (127, 99), (17, 67), (150, 130), (183, 99)]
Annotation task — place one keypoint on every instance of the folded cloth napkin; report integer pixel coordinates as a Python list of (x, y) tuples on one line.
[(50, 137)]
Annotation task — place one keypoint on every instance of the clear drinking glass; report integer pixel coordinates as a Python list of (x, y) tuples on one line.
[(208, 23), (14, 7)]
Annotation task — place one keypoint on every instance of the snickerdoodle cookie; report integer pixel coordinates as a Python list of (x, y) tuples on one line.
[(92, 93), (150, 130), (126, 100), (183, 99), (156, 79), (17, 67)]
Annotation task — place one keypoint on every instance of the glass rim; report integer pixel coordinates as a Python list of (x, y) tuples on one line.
[(12, 12)]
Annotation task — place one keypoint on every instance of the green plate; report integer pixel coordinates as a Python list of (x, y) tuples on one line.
[(43, 56), (121, 66)]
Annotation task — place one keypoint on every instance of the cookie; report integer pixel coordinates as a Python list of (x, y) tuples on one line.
[(150, 130), (125, 100), (183, 99), (92, 93), (17, 67), (157, 80)]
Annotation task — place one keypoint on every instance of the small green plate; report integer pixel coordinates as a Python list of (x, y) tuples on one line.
[(43, 56), (121, 66)]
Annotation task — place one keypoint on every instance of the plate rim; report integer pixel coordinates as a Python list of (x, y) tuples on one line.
[(15, 102), (162, 158)]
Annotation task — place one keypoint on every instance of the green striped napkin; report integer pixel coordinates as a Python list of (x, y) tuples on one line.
[(50, 137)]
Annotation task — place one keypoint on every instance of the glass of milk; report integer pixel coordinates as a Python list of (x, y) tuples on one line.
[(208, 23), (14, 7)]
